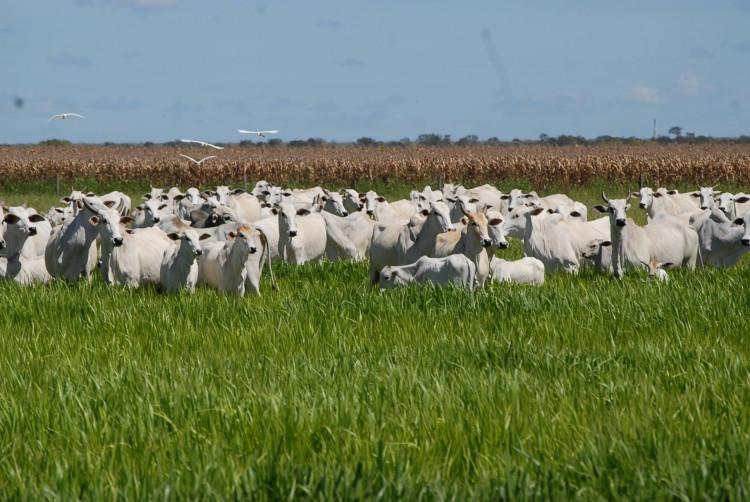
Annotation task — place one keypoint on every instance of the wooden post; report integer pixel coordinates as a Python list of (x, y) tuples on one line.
[(57, 185)]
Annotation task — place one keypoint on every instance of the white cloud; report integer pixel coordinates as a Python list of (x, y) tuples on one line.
[(644, 94)]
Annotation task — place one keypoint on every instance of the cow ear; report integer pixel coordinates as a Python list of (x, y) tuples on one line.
[(451, 199), (204, 237), (129, 231), (505, 197), (231, 235), (178, 198), (237, 191), (109, 203), (275, 210), (147, 196), (164, 196), (473, 200), (94, 220), (635, 194), (666, 265), (163, 206), (494, 222), (302, 212), (380, 198), (66, 200), (575, 214), (126, 219), (601, 208), (58, 210), (141, 207), (173, 236), (606, 243), (265, 192), (465, 220), (424, 212), (657, 194), (11, 218), (536, 211), (672, 192), (36, 218), (742, 199), (695, 194), (739, 221)]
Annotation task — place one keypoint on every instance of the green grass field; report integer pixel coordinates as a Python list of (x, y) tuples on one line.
[(585, 387)]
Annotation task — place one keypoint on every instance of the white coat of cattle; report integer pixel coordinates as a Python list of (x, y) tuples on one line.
[(59, 215), (70, 253), (457, 270), (526, 270), (185, 203), (332, 202), (179, 268), (133, 257), (244, 205), (347, 237), (732, 204), (666, 202), (399, 244), (721, 239), (302, 234), (26, 232), (665, 239), (351, 200), (400, 211), (150, 213), (224, 265)]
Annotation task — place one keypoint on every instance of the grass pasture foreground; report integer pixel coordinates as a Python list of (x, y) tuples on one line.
[(586, 387)]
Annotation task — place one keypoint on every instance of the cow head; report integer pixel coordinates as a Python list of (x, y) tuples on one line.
[(617, 209), (393, 277), (438, 215), (477, 228), (496, 228), (706, 196), (287, 214), (744, 221), (333, 202), (110, 225), (245, 239), (189, 241)]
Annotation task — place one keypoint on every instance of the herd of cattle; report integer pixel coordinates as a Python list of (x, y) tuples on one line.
[(224, 238)]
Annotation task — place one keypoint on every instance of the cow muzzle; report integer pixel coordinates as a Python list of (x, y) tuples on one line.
[(292, 233), (486, 243), (370, 212), (32, 230), (253, 249), (502, 245), (2, 244), (157, 219), (117, 241), (621, 222), (642, 205), (344, 213), (746, 241), (198, 252)]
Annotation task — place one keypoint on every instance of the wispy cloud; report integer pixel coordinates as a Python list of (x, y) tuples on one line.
[(69, 60), (644, 94), (689, 85), (351, 63), (700, 53)]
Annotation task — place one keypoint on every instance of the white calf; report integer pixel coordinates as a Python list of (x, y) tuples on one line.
[(524, 271), (456, 269)]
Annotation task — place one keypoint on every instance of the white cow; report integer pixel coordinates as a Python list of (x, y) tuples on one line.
[(663, 201), (223, 265), (132, 257), (70, 253), (527, 270), (381, 210), (151, 212), (26, 232), (302, 234), (121, 202), (657, 270), (270, 228), (347, 237), (351, 199), (186, 202), (332, 202), (732, 204), (665, 239), (721, 239), (399, 244), (456, 269), (179, 268), (59, 215), (245, 206)]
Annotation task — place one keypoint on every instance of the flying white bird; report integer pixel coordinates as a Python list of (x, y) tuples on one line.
[(63, 116), (260, 134), (198, 162), (202, 143)]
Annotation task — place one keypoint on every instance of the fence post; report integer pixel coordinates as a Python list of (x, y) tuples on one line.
[(57, 185)]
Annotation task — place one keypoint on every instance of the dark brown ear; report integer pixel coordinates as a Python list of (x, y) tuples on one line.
[(109, 203), (173, 236), (666, 265), (231, 235), (536, 211), (601, 209), (178, 198), (204, 236), (94, 220), (237, 191), (657, 194), (739, 221), (742, 199), (380, 199), (464, 220), (575, 214), (162, 206), (36, 218), (11, 219), (302, 212), (126, 219), (58, 210), (129, 231), (505, 197), (606, 243), (672, 192), (66, 200), (494, 221), (424, 212), (147, 196), (695, 194)]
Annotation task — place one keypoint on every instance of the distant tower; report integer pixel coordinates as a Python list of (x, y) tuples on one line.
[(654, 135)]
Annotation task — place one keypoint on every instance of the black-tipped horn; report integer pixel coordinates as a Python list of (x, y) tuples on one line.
[(640, 182), (604, 198)]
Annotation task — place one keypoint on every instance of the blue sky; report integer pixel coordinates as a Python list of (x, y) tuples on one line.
[(155, 70)]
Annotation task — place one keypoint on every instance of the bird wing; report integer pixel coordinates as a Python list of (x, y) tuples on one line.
[(206, 158), (53, 117), (275, 131), (76, 115), (190, 141), (213, 146), (189, 158), (243, 131)]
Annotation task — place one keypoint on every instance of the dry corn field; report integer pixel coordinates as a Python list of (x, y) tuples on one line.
[(536, 164)]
